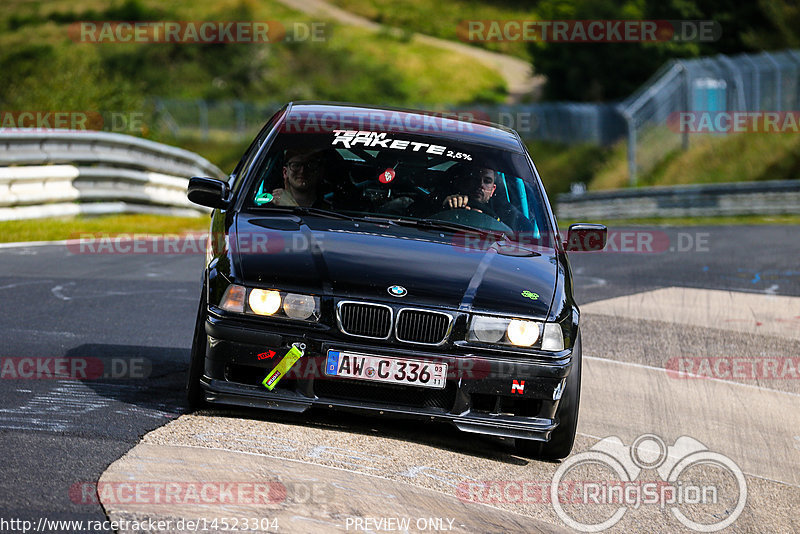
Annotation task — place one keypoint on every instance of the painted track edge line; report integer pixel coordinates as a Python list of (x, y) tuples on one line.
[(20, 244)]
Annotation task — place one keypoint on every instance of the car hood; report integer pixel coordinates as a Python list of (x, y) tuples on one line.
[(359, 260)]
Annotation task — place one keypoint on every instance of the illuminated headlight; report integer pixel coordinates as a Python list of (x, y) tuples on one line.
[(270, 302), (264, 302), (517, 332), (522, 333)]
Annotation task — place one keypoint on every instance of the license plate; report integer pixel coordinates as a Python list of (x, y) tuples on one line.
[(382, 369)]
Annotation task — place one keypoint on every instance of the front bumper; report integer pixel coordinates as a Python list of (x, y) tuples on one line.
[(487, 393)]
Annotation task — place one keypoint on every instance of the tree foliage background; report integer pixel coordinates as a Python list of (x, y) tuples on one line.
[(610, 71)]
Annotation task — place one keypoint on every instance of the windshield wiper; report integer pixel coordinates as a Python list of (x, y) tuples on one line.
[(380, 219), (322, 212), (433, 224), (305, 210)]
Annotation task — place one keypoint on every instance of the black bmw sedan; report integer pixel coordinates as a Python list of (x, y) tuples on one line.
[(395, 262)]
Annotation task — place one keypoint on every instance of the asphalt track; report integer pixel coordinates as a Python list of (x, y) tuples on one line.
[(716, 292)]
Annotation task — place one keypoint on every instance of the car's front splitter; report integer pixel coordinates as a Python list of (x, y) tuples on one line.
[(223, 392)]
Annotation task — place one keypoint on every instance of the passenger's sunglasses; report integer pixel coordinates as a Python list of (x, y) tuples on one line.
[(312, 165)]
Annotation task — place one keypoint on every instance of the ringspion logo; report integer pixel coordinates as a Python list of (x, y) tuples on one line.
[(694, 483)]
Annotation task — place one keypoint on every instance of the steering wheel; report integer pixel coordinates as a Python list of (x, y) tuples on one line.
[(473, 218)]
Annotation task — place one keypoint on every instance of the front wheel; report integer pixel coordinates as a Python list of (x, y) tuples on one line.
[(195, 396), (563, 437)]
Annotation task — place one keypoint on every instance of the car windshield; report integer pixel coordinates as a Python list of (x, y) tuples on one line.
[(408, 178)]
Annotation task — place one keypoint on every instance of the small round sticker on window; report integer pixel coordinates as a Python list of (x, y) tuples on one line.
[(386, 176)]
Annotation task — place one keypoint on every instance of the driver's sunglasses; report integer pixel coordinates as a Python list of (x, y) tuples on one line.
[(312, 165)]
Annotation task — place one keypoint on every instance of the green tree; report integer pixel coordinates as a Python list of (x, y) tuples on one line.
[(609, 71)]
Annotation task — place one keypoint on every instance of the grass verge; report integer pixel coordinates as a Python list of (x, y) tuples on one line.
[(56, 229), (743, 157), (446, 20), (560, 165)]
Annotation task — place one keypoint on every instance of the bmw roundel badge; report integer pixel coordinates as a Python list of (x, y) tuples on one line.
[(397, 291)]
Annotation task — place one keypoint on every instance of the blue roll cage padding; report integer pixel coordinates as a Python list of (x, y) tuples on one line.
[(523, 198), (505, 185)]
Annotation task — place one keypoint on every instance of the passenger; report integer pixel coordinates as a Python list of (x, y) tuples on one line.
[(302, 174)]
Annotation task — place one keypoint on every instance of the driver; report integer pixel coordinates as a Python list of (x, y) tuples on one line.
[(302, 174), (475, 188)]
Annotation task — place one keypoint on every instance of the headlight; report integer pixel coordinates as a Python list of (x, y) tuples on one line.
[(299, 306), (264, 302), (517, 332), (270, 302), (488, 329), (522, 333)]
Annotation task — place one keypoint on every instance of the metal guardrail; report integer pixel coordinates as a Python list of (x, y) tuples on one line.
[(778, 197), (59, 173)]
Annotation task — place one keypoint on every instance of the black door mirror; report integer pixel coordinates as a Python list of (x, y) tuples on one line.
[(208, 192), (586, 237)]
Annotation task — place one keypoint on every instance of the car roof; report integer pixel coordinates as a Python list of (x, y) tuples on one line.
[(322, 117)]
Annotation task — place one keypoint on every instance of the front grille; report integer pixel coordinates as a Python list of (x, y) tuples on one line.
[(420, 326), (391, 394), (365, 320)]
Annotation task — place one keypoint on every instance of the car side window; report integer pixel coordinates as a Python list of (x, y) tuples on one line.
[(267, 182)]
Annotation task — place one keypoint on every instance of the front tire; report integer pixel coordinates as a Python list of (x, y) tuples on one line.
[(195, 396), (563, 437)]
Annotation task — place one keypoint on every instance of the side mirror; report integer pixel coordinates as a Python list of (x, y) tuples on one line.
[(586, 237), (208, 192)]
